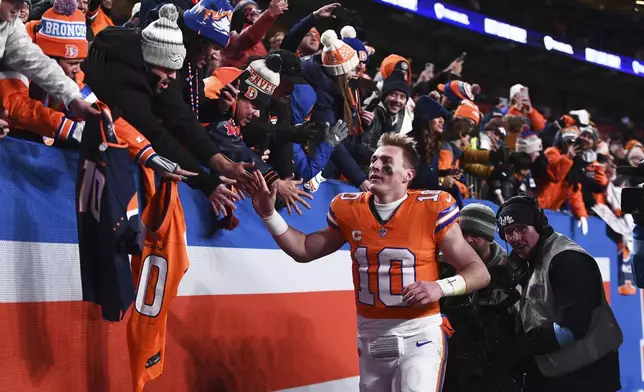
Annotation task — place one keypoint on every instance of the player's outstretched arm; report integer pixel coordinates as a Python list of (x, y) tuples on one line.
[(301, 247), (468, 264)]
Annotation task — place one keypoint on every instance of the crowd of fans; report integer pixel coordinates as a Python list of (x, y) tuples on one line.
[(209, 91), (210, 88)]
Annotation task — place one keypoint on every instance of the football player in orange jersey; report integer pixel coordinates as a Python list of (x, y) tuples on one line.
[(395, 236)]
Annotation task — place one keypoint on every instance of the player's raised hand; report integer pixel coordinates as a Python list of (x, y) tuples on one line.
[(422, 293), (263, 198), (291, 194)]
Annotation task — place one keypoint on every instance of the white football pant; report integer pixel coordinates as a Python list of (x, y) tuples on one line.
[(410, 364)]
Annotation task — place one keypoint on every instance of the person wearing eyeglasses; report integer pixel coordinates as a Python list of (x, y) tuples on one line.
[(572, 337)]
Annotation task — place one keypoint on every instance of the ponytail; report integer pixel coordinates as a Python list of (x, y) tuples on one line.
[(427, 144), (341, 84)]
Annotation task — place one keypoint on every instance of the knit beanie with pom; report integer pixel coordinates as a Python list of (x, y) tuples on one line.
[(457, 90), (338, 58), (63, 31), (528, 142), (162, 40), (348, 34), (259, 81)]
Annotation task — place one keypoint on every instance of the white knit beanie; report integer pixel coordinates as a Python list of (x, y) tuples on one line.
[(162, 40), (528, 142), (259, 81), (338, 58)]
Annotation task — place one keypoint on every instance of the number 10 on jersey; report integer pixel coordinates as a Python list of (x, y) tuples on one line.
[(91, 190), (395, 269)]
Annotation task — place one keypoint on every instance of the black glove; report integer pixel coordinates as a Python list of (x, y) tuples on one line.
[(575, 174), (500, 156), (304, 132), (638, 219)]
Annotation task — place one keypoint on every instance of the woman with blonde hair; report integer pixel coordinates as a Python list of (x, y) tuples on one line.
[(329, 73)]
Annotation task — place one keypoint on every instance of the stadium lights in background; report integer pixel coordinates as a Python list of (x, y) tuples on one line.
[(481, 24)]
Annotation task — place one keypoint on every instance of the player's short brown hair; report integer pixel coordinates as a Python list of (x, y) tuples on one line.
[(408, 145)]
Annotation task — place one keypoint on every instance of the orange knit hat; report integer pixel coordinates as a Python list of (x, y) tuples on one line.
[(633, 143), (634, 152), (395, 62), (338, 58), (468, 109), (63, 32)]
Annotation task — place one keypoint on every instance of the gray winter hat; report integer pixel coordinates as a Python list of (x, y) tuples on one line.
[(479, 220), (162, 40)]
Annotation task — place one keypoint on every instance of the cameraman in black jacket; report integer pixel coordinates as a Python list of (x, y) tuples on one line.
[(572, 337), (485, 322)]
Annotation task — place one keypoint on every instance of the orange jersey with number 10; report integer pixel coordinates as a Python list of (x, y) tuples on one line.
[(157, 272), (388, 256)]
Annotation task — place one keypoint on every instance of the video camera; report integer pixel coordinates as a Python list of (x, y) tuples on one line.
[(633, 196)]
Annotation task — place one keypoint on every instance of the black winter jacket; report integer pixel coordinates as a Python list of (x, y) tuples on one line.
[(577, 287), (116, 73), (273, 130)]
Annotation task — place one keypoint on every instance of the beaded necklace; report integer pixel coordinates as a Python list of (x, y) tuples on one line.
[(194, 92)]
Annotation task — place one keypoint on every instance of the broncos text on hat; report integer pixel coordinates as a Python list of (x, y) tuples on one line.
[(211, 19), (348, 34), (260, 79), (338, 58), (63, 31)]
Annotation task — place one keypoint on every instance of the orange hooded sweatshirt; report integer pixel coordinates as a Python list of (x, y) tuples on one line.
[(536, 118), (555, 190)]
